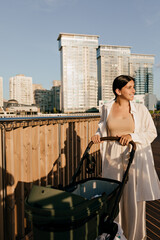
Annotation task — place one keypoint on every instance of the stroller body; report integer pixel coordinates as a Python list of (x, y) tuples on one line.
[(80, 211)]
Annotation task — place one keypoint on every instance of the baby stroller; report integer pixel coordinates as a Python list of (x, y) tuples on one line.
[(80, 211)]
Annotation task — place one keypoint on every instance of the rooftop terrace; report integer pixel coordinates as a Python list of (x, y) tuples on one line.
[(47, 151)]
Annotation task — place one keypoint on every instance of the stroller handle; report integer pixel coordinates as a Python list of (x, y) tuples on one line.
[(109, 139), (86, 154)]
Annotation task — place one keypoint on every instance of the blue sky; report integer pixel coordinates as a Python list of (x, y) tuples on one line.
[(29, 31)]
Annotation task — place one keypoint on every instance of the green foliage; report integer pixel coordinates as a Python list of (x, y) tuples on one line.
[(151, 112), (54, 110)]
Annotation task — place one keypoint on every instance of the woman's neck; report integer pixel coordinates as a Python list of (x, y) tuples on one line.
[(122, 102)]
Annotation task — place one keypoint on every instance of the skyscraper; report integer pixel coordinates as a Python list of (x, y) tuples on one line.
[(78, 71), (20, 88), (141, 68), (1, 91), (117, 60), (112, 61)]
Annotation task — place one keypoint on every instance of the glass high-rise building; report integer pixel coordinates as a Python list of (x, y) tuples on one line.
[(116, 60), (112, 61), (78, 71), (141, 68)]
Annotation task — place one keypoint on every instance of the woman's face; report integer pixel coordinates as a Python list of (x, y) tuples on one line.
[(128, 91)]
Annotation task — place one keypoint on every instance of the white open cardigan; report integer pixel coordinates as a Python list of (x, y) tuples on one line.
[(148, 184)]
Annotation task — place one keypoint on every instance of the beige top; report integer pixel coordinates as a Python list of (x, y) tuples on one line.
[(120, 126)]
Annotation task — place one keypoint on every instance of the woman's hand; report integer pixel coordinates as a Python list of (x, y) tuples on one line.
[(96, 139), (125, 139)]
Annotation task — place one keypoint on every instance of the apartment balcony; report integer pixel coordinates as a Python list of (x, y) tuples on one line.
[(47, 150)]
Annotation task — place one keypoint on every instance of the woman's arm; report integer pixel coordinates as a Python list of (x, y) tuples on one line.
[(96, 137)]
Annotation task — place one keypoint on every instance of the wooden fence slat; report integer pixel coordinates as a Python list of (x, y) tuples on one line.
[(1, 189), (68, 164), (63, 153), (19, 191), (43, 155), (71, 147), (77, 145), (55, 155), (50, 152), (36, 154), (85, 143), (82, 138), (27, 154), (26, 162), (11, 185)]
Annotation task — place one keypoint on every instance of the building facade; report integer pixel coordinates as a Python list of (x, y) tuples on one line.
[(151, 101), (36, 87), (78, 71), (43, 100), (56, 83), (49, 101), (56, 98), (20, 88), (112, 61), (14, 108), (141, 68), (1, 92)]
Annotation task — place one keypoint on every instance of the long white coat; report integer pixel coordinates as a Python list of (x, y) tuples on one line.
[(147, 182)]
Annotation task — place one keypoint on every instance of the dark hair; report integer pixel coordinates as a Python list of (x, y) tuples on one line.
[(119, 82)]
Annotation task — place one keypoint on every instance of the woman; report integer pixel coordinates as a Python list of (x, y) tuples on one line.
[(130, 121)]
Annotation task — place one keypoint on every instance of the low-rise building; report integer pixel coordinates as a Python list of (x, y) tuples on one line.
[(13, 107)]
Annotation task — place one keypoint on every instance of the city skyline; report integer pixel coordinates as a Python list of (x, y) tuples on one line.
[(29, 30), (87, 70)]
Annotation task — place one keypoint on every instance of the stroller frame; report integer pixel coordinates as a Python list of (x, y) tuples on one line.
[(44, 205), (109, 226)]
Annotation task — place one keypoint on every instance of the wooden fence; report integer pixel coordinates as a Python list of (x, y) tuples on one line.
[(38, 151)]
